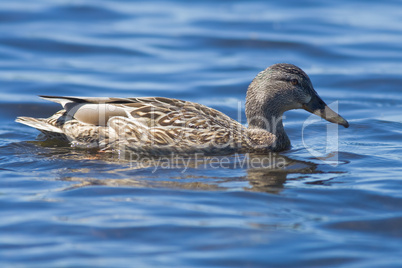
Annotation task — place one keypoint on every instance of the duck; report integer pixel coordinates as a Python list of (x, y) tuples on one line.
[(162, 126)]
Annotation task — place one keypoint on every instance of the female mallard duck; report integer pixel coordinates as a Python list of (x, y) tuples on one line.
[(159, 126)]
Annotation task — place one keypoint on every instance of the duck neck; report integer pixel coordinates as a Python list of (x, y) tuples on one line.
[(271, 122)]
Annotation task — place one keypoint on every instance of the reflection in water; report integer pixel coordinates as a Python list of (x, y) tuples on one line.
[(272, 179), (262, 173), (250, 172)]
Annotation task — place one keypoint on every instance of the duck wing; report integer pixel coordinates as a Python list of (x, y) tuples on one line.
[(143, 123), (150, 111)]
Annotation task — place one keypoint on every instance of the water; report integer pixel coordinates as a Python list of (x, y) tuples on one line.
[(64, 207)]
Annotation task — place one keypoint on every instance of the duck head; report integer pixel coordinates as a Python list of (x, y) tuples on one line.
[(282, 87)]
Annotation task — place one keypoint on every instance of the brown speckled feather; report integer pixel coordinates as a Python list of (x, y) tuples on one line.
[(156, 126)]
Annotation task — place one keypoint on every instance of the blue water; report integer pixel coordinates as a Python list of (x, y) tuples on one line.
[(336, 205)]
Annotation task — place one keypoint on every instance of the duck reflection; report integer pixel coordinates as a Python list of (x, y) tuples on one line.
[(249, 172), (272, 179), (244, 172)]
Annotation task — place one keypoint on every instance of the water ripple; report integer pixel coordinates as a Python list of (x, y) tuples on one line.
[(65, 207)]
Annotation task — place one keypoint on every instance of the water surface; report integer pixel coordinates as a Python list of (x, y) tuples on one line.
[(326, 202)]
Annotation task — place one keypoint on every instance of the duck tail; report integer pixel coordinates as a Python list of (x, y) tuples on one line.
[(39, 124)]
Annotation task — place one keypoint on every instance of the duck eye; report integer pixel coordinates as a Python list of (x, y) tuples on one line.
[(294, 82)]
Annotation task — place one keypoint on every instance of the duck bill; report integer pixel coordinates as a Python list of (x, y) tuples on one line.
[(318, 107)]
